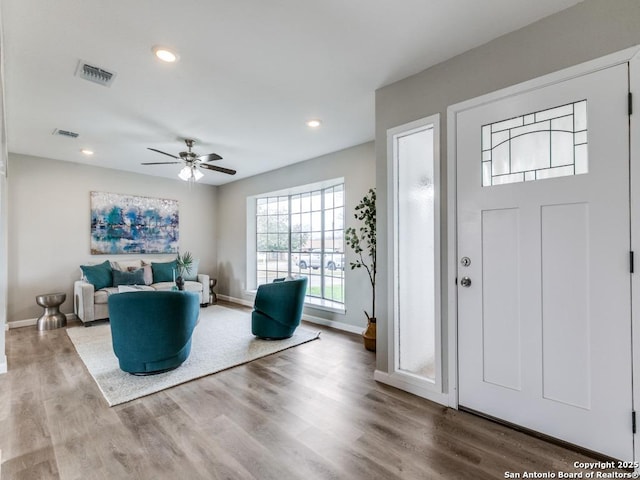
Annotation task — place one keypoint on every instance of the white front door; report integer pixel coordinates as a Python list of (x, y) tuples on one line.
[(544, 321)]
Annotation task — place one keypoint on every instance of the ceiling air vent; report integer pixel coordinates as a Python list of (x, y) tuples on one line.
[(95, 74), (65, 133)]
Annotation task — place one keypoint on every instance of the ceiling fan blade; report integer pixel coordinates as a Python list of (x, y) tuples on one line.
[(160, 163), (210, 158), (228, 171), (164, 153)]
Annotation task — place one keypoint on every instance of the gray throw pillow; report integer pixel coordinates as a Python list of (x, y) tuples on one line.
[(135, 277)]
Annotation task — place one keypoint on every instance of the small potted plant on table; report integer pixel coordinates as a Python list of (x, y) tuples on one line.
[(184, 263)]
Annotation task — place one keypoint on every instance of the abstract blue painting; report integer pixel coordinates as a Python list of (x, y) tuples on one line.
[(132, 224)]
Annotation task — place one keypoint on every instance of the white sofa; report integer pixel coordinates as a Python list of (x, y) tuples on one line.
[(90, 304)]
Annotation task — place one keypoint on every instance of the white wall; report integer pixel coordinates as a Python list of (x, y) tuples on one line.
[(49, 224), (4, 255), (356, 165), (4, 252), (584, 32)]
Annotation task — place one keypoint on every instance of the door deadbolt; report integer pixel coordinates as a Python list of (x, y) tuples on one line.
[(465, 282), (465, 261)]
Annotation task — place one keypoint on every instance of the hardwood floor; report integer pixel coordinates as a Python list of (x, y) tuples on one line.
[(310, 412)]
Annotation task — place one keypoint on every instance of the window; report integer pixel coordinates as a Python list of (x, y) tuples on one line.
[(302, 234), (415, 356), (545, 144)]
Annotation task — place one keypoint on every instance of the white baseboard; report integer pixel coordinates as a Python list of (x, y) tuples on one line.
[(345, 327), (398, 382), (239, 301), (30, 322)]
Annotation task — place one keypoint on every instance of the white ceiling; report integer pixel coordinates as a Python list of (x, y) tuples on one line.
[(251, 72)]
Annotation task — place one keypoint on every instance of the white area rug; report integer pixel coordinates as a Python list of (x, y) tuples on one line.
[(221, 340)]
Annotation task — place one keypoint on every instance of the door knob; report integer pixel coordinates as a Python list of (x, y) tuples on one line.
[(465, 282)]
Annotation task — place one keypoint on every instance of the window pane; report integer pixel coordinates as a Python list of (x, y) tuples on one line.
[(272, 224), (305, 202), (316, 221), (296, 222), (296, 242), (535, 146), (283, 223), (316, 201), (338, 218), (262, 242), (272, 206), (295, 203), (272, 241), (261, 206), (328, 198), (283, 205), (416, 253), (338, 196), (338, 239), (328, 220), (261, 224)]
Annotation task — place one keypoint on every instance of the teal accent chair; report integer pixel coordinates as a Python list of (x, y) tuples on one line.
[(151, 331), (278, 308)]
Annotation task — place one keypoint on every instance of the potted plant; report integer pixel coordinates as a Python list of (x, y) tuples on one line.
[(363, 243), (184, 264)]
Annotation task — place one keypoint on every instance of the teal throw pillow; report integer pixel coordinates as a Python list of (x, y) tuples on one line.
[(192, 275), (134, 277), (164, 272), (98, 275)]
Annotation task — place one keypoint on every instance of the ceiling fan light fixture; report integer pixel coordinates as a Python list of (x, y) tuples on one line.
[(190, 173), (315, 123), (165, 54), (185, 173)]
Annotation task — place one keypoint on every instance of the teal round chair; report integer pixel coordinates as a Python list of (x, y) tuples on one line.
[(278, 308), (151, 331)]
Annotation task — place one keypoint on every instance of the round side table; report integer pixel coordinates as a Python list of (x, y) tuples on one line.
[(51, 318)]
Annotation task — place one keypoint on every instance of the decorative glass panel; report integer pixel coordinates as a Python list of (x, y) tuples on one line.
[(416, 252), (545, 144)]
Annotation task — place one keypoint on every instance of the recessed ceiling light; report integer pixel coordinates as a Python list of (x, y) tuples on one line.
[(86, 151), (314, 123), (165, 54)]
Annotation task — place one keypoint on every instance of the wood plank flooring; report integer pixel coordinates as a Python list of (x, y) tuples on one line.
[(310, 412)]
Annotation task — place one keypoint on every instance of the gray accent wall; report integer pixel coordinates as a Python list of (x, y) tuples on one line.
[(589, 30), (49, 224), (356, 165)]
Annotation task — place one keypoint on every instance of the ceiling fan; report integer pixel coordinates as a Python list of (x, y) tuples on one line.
[(192, 163)]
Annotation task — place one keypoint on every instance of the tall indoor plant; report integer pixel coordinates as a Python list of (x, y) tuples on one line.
[(363, 243)]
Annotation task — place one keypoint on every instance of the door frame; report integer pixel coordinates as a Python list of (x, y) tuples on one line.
[(631, 56)]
